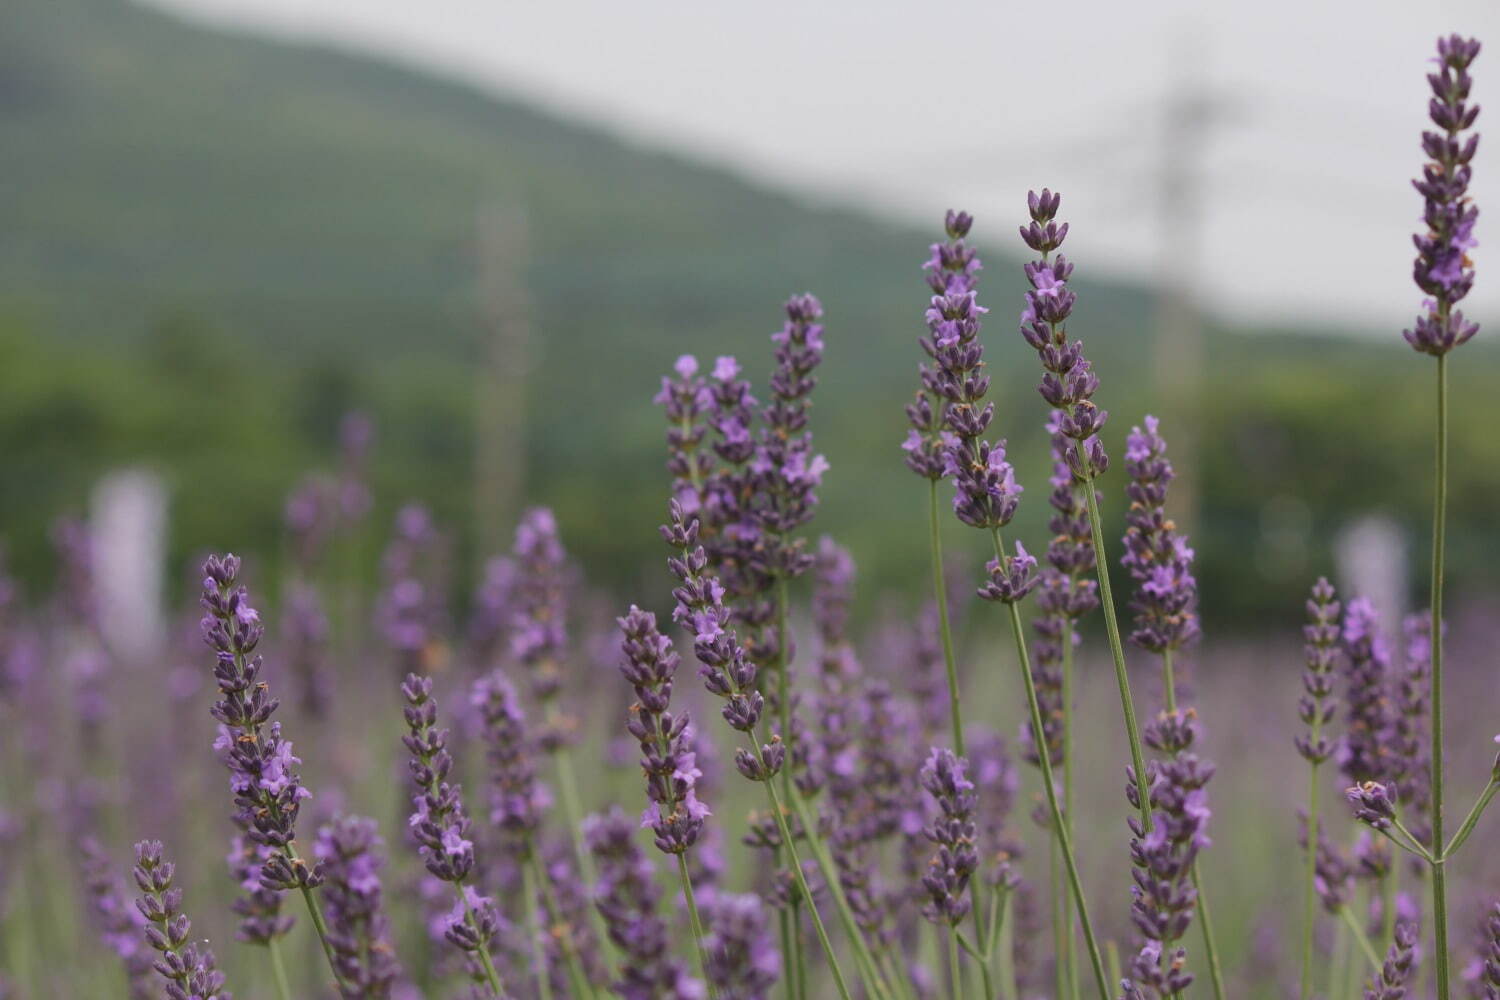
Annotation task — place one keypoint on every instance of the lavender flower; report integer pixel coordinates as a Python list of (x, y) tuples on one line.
[(1411, 771), (675, 814), (187, 967), (1164, 899), (538, 636), (1373, 804), (306, 638), (518, 801), (686, 399), (1068, 383), (1320, 646), (743, 963), (349, 849), (726, 670), (1489, 976), (950, 270), (1442, 269), (259, 907), (1065, 593), (1365, 755), (439, 825), (268, 793), (1394, 974), (410, 610), (1157, 556), (953, 831), (788, 470), (627, 897), (118, 924)]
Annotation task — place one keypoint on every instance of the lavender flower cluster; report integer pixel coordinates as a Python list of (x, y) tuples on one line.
[(880, 812)]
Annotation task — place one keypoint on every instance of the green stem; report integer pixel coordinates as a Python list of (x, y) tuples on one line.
[(532, 903), (567, 780), (1439, 532), (278, 969), (1116, 648), (1310, 893), (791, 849), (955, 974), (940, 594), (829, 870), (784, 680), (784, 925), (799, 958), (1069, 951), (1360, 938), (1471, 820), (1006, 946), (692, 907), (577, 978), (1059, 929), (1064, 840), (491, 976), (1339, 967), (315, 912), (1210, 949)]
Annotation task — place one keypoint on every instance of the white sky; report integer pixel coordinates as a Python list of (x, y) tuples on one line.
[(906, 109)]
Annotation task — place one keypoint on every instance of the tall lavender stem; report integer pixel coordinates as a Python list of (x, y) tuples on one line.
[(1321, 635), (1069, 385), (267, 789), (1444, 272)]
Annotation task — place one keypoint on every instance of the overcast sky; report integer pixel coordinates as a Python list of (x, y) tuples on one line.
[(1308, 128)]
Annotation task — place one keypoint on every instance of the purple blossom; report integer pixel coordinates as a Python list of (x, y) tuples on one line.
[(518, 802), (1157, 556), (675, 814), (349, 848), (1442, 269), (686, 399), (1373, 804), (538, 626), (1489, 959), (1366, 751), (188, 967), (1068, 381), (410, 611), (627, 897), (953, 831), (727, 671), (743, 963), (268, 793), (1321, 648), (118, 924), (258, 907), (439, 825), (1396, 971), (1163, 897)]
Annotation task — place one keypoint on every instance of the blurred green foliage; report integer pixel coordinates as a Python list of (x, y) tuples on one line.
[(211, 246)]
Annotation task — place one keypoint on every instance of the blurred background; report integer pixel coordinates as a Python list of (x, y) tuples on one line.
[(225, 223)]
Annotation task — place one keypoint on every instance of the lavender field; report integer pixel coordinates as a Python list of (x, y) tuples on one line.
[(346, 766)]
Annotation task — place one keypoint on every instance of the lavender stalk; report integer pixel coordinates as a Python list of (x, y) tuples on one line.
[(1444, 272), (267, 790), (1316, 710), (188, 968), (1069, 385)]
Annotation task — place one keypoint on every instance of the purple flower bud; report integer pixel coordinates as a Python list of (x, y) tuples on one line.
[(1373, 804), (349, 848), (268, 792), (953, 831), (627, 896), (1442, 269), (188, 968), (1394, 973)]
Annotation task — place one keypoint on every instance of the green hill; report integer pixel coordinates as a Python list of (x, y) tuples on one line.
[(211, 244)]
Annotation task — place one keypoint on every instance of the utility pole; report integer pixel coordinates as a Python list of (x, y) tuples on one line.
[(500, 404), (1188, 116)]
